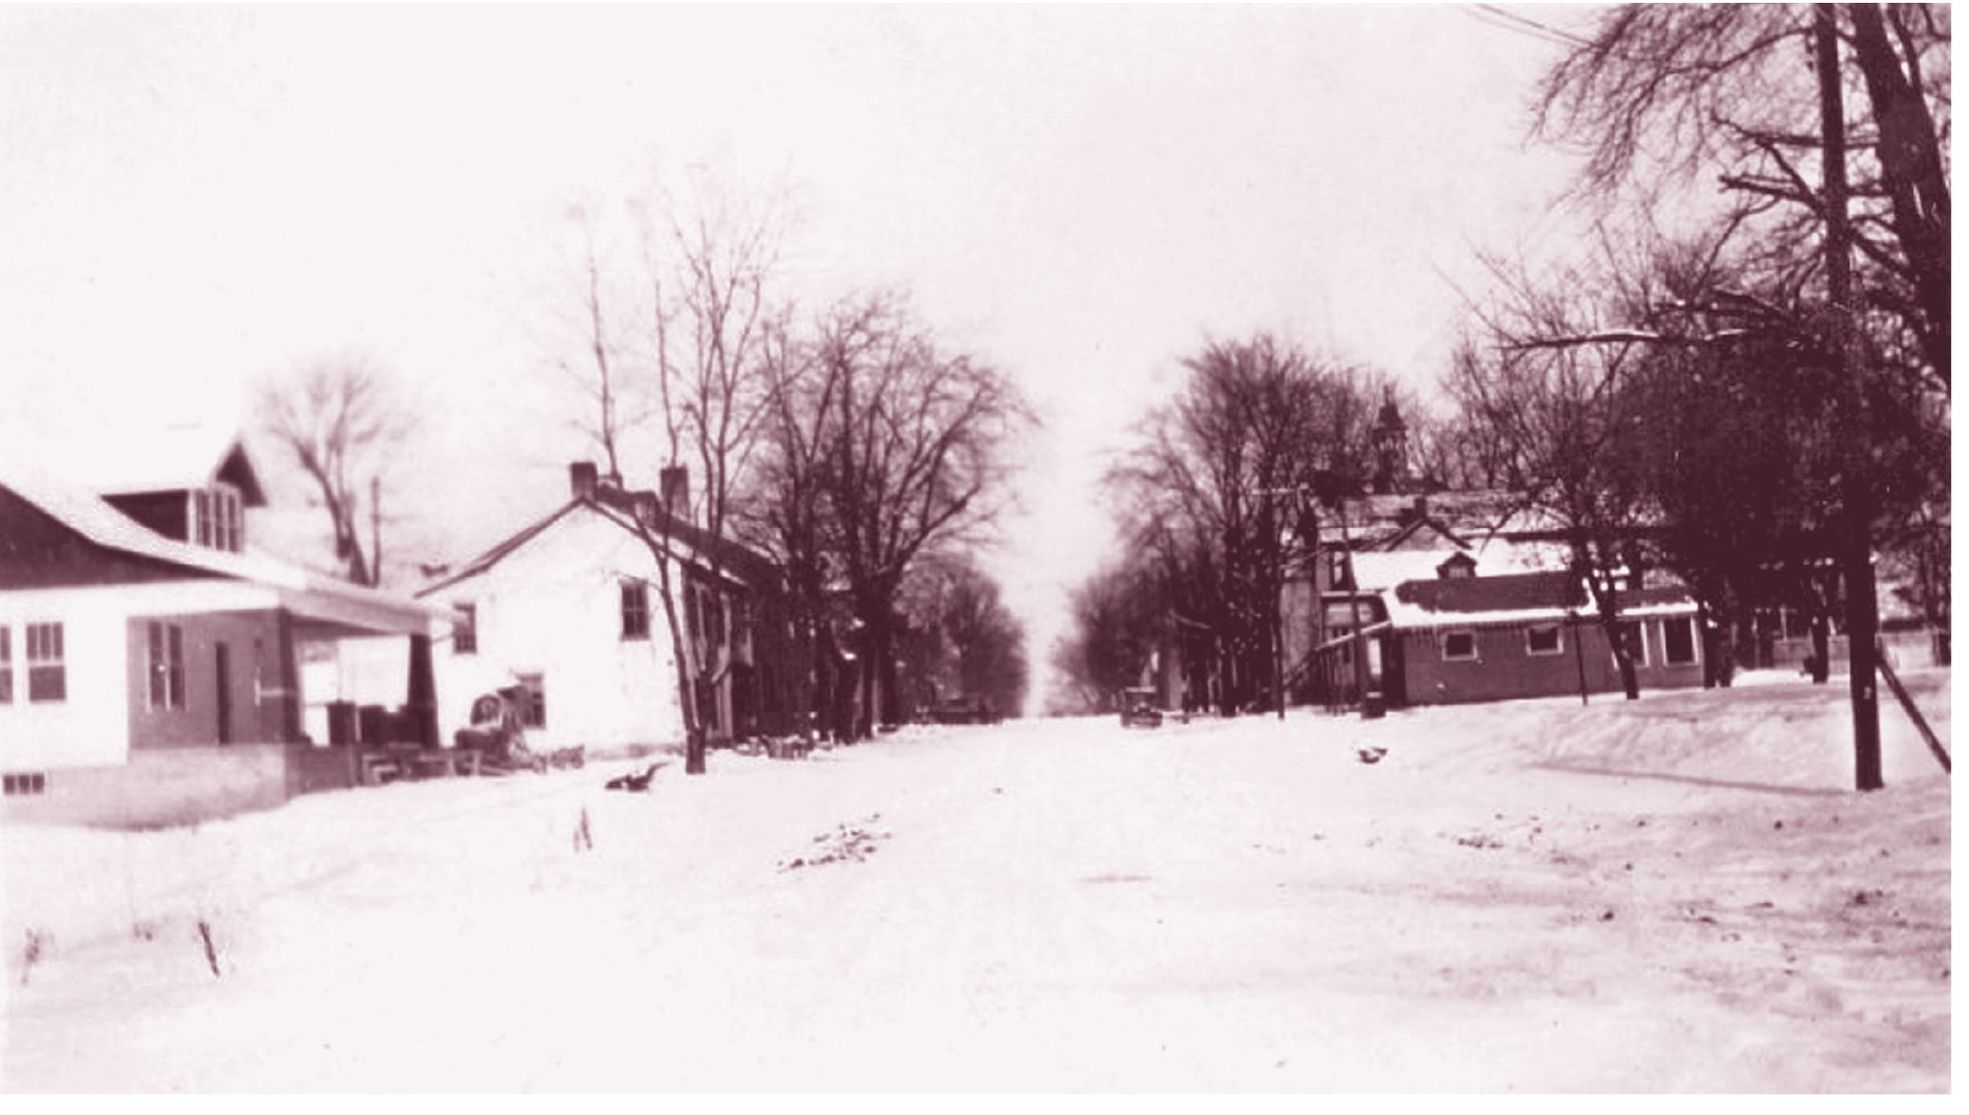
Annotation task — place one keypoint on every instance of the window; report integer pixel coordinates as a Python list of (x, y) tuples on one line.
[(1678, 642), (1543, 639), (217, 518), (1460, 646), (465, 629), (692, 623), (47, 675), (1634, 637), (1796, 624), (6, 666), (533, 700), (167, 666), (714, 617), (31, 783), (635, 610)]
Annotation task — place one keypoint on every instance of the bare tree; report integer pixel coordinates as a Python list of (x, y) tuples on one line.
[(1216, 489), (705, 319), (341, 423), (1569, 433), (914, 441)]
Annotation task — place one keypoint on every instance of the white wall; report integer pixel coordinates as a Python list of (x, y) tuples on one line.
[(553, 607), (92, 726)]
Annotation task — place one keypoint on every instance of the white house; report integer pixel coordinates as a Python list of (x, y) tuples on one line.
[(149, 663), (569, 610)]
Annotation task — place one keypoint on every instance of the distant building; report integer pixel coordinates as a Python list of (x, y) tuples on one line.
[(569, 611), (1461, 596), (149, 661)]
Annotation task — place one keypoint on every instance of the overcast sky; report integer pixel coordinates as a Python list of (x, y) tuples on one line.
[(192, 199)]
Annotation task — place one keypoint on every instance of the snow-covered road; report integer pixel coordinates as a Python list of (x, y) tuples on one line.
[(1674, 894)]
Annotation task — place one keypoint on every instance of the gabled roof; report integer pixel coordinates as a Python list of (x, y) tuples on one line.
[(617, 507), (179, 457), (96, 521)]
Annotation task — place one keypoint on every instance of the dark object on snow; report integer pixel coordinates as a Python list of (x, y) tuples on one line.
[(634, 783), (1371, 755), (1138, 709), (964, 710)]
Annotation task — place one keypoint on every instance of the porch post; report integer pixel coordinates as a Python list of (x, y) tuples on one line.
[(290, 677), (422, 697)]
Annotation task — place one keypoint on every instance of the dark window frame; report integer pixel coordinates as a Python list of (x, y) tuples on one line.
[(47, 663), (1558, 639), (1470, 657), (533, 691), (464, 628), (635, 611), (1685, 625), (166, 657)]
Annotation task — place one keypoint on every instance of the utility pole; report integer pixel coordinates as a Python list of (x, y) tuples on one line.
[(1856, 541), (375, 530)]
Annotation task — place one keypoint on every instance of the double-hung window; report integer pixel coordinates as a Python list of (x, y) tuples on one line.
[(6, 665), (635, 610), (47, 668), (167, 666), (465, 629), (533, 697)]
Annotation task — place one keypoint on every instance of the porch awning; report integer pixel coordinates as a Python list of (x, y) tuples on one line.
[(335, 610)]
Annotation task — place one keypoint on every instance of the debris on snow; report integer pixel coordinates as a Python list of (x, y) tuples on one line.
[(850, 842)]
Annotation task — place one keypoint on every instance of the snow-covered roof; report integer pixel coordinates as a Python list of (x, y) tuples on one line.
[(89, 516), (1375, 570)]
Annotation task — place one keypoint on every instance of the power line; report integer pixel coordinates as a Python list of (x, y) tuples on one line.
[(1523, 25)]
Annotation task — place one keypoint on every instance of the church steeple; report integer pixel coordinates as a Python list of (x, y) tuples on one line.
[(1390, 440)]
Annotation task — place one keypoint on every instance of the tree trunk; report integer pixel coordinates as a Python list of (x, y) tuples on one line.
[(1820, 663), (890, 693), (1856, 552)]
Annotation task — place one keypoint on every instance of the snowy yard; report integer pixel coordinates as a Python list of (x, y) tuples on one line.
[(1675, 894)]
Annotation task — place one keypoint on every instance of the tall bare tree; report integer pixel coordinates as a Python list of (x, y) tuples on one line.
[(338, 418), (704, 319), (1216, 489), (1569, 433), (916, 445)]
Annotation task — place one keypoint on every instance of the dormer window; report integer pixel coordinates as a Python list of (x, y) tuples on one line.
[(217, 518)]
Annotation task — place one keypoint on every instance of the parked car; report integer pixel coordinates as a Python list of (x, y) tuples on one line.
[(1138, 709), (964, 710)]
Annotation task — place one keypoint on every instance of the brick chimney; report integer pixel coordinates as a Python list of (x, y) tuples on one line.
[(581, 479), (676, 480)]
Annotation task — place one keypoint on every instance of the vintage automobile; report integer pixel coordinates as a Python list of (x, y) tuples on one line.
[(1138, 709), (964, 710)]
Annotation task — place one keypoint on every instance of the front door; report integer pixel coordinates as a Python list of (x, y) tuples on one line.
[(224, 669)]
